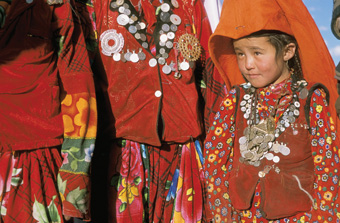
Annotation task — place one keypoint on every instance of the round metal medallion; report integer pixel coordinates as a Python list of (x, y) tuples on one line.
[(190, 47), (108, 36)]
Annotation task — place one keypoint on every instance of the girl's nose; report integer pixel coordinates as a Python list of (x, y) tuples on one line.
[(249, 63)]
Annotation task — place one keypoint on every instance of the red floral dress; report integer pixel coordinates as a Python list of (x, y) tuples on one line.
[(219, 158)]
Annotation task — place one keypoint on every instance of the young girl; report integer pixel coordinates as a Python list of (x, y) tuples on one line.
[(271, 154)]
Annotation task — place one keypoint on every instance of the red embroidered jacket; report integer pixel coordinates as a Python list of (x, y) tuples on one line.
[(149, 106)]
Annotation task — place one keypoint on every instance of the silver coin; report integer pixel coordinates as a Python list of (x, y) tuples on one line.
[(284, 150), (184, 65), (123, 19), (143, 37), (137, 35), (127, 12), (246, 97), (161, 50), (163, 38), (141, 55), (246, 116), (114, 5), (175, 3), (166, 69), (165, 16), (165, 27), (175, 19), (165, 55), (269, 156), (257, 163), (120, 2), (142, 25), (132, 29), (242, 140), (173, 27), (243, 103), (152, 62), (122, 57), (243, 109), (269, 138), (116, 56), (169, 44), (127, 55), (161, 60), (243, 147), (134, 57), (261, 174), (297, 104), (161, 32), (296, 112), (121, 9), (170, 35), (125, 5), (165, 7), (276, 159), (303, 93), (145, 45)]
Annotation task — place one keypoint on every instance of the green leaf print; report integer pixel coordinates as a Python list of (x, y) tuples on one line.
[(3, 210), (137, 180), (16, 171), (167, 184), (53, 211), (116, 180), (77, 198), (39, 212), (122, 207), (74, 165), (61, 184), (16, 181), (203, 85), (74, 149)]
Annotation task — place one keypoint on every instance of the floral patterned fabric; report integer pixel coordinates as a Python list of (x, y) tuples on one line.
[(152, 184), (219, 156), (22, 199)]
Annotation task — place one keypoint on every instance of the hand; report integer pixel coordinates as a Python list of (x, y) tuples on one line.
[(68, 219)]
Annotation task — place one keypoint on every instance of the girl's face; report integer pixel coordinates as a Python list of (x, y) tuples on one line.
[(259, 63)]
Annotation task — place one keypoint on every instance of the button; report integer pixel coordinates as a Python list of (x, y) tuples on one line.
[(158, 94)]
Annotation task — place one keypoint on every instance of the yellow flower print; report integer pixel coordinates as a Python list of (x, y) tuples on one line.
[(127, 195), (211, 158), (329, 140), (338, 215), (229, 140), (218, 131), (86, 109), (318, 108), (210, 187), (68, 124), (218, 218), (328, 195), (302, 219), (67, 100), (317, 159), (224, 168), (226, 196), (227, 102)]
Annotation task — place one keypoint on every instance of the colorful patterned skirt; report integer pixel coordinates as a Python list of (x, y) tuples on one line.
[(28, 186), (155, 184)]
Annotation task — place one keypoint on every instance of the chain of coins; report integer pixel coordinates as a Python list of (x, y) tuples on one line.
[(258, 138), (189, 47)]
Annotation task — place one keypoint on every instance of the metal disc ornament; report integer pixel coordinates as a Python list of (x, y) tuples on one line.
[(190, 47), (116, 38)]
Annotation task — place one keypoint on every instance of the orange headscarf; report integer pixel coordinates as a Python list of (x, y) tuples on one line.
[(240, 18)]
